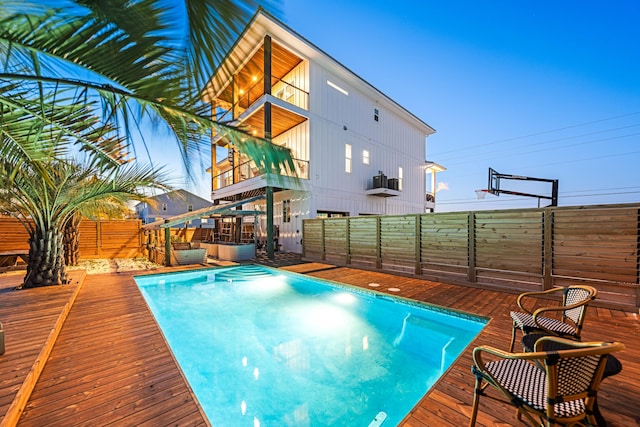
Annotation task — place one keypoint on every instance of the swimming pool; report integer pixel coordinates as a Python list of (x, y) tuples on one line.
[(262, 347)]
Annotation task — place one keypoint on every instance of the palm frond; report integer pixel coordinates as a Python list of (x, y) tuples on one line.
[(127, 60)]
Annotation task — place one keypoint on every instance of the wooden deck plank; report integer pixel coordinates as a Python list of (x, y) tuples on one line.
[(125, 374), (111, 365), (29, 318)]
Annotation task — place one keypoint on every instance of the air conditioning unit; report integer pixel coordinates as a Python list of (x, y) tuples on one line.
[(380, 181), (394, 183)]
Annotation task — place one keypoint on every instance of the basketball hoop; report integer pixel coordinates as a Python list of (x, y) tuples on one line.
[(481, 194)]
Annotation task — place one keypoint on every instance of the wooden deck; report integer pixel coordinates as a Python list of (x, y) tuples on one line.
[(110, 364)]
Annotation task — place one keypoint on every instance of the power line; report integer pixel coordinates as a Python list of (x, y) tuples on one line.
[(502, 155), (539, 133), (550, 141)]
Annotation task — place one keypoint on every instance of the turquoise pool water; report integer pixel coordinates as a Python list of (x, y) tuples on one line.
[(261, 347)]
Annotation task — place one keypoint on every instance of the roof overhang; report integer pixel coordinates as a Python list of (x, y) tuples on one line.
[(434, 167)]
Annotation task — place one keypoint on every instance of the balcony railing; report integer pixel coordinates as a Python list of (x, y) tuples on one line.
[(248, 170), (280, 89), (290, 93)]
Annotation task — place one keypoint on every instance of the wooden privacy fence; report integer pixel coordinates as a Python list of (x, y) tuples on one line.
[(512, 250), (98, 239)]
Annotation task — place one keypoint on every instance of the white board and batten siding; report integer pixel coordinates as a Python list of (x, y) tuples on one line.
[(340, 118)]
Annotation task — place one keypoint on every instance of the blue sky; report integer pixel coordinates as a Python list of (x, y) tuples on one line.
[(538, 88)]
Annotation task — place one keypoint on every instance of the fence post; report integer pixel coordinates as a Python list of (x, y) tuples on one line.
[(347, 241), (304, 246), (471, 248), (378, 243), (547, 249), (418, 244), (324, 254)]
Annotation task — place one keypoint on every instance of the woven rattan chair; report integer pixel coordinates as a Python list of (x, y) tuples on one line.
[(569, 315), (546, 387)]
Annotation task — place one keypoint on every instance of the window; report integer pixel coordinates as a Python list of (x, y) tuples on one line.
[(190, 208), (285, 92), (338, 88), (365, 157), (400, 178), (376, 114), (286, 211), (331, 214), (164, 207), (347, 158)]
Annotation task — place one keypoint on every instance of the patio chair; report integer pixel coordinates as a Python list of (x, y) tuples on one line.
[(611, 368), (546, 387), (575, 299)]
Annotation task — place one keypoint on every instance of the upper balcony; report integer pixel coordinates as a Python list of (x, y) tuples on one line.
[(227, 111), (286, 77)]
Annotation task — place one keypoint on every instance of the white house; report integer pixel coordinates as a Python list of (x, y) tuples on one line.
[(169, 205), (356, 151)]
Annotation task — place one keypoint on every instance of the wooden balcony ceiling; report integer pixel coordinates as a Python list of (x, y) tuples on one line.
[(283, 61), (282, 120)]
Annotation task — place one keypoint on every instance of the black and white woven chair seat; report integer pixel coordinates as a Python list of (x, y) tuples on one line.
[(525, 322), (528, 383)]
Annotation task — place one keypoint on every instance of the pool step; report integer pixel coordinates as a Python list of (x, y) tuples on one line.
[(248, 272)]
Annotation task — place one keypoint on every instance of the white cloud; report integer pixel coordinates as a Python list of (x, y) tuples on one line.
[(442, 186)]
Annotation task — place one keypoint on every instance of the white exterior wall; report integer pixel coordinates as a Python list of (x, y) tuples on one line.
[(392, 142)]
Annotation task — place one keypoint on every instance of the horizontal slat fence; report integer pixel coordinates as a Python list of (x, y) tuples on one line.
[(514, 250), (98, 239)]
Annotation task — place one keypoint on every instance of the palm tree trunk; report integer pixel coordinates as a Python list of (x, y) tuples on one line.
[(71, 241), (46, 259)]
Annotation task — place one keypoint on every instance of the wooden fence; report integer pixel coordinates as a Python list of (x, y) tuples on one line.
[(98, 239), (510, 250)]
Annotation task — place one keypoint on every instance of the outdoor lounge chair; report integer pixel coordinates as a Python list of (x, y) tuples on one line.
[(546, 387), (572, 311)]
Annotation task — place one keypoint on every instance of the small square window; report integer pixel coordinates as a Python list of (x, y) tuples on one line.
[(190, 208), (376, 114), (164, 207)]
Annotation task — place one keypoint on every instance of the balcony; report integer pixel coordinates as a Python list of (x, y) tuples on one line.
[(246, 177), (226, 111)]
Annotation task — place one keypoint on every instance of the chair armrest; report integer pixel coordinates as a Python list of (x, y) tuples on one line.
[(528, 295), (501, 354), (576, 348), (541, 311)]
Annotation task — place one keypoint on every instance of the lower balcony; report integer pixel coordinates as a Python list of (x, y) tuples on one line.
[(245, 179)]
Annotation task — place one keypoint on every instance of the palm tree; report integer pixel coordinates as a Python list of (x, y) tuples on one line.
[(126, 62), (46, 202), (82, 76)]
